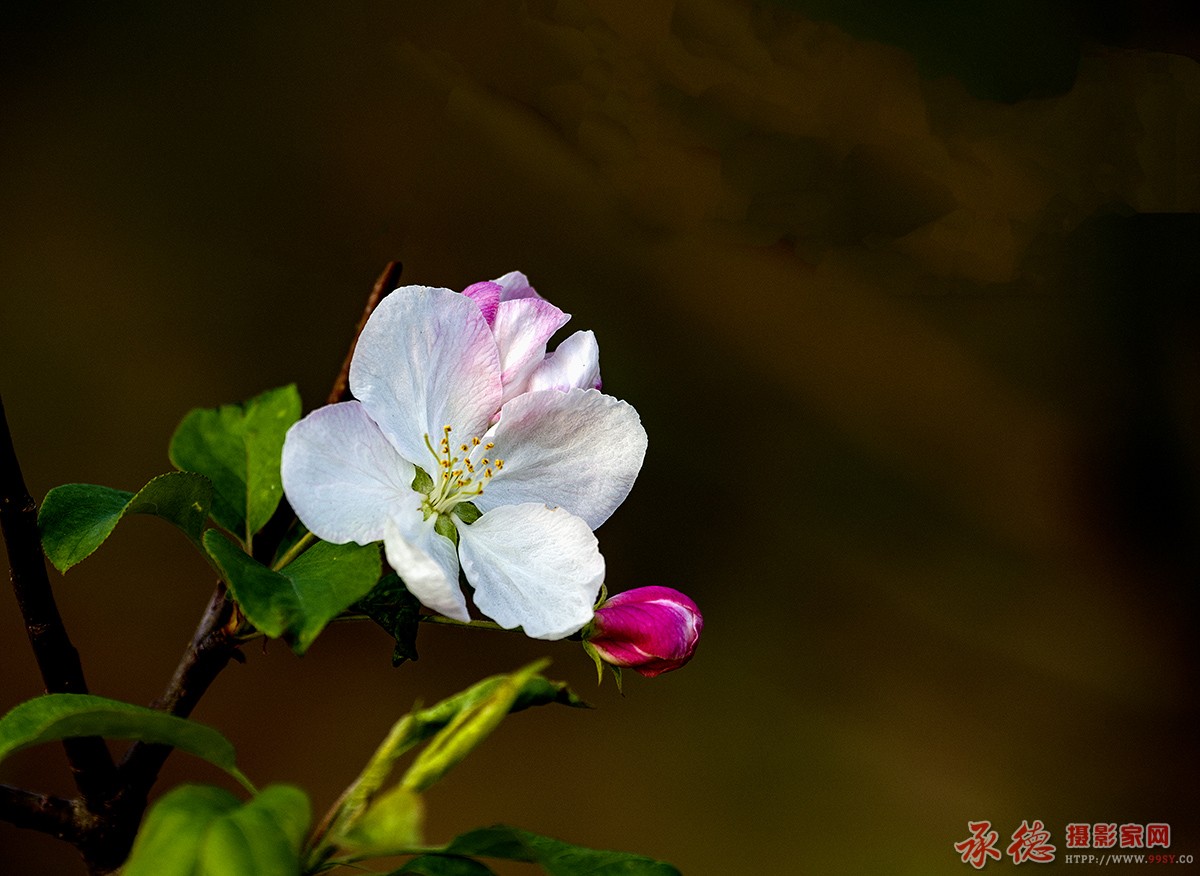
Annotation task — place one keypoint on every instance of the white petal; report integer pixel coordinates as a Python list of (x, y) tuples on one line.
[(514, 285), (426, 359), (342, 476), (522, 327), (579, 449), (532, 567), (574, 365), (427, 562)]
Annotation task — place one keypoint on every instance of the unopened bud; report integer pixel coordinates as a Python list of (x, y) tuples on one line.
[(650, 630)]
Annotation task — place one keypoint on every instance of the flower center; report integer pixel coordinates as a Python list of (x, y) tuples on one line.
[(457, 476)]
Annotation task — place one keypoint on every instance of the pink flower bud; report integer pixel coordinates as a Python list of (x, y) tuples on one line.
[(650, 630)]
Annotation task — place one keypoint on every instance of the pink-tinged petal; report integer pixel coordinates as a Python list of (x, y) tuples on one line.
[(532, 567), (426, 561), (426, 359), (522, 328), (574, 365), (580, 449), (515, 285), (487, 296), (341, 475), (650, 630)]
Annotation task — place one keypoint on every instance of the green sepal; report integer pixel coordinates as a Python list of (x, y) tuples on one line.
[(590, 650), (467, 512), (391, 606), (444, 526), (52, 717), (200, 830), (238, 447), (422, 482), (75, 519), (299, 600), (554, 856)]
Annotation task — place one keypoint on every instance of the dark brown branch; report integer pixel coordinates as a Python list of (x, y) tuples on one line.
[(40, 812), (385, 284), (104, 833), (57, 659)]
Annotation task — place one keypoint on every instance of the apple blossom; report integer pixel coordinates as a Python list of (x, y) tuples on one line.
[(452, 455)]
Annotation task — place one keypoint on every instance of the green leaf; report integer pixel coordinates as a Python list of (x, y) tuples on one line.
[(444, 865), (62, 716), (75, 519), (473, 723), (466, 715), (199, 830), (391, 606), (556, 857), (536, 690), (391, 824), (328, 579), (261, 838), (298, 601), (172, 836), (265, 597), (238, 447)]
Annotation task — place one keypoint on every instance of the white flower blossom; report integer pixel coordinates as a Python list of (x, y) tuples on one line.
[(461, 411)]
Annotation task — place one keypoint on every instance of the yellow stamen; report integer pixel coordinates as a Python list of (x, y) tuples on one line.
[(462, 478)]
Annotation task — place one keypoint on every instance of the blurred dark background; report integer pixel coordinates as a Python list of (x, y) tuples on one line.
[(904, 292)]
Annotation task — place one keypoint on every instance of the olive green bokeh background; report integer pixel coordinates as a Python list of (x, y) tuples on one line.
[(906, 299)]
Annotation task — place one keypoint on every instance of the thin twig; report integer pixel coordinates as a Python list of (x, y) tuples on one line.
[(212, 647), (57, 659), (40, 812), (451, 622), (383, 286), (302, 544)]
